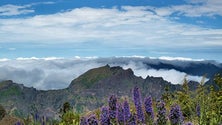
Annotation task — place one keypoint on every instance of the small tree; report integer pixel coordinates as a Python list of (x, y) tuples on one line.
[(218, 99), (66, 107), (218, 80), (184, 99), (68, 116), (201, 100), (2, 112)]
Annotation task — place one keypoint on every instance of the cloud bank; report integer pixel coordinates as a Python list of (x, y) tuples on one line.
[(57, 73), (109, 26)]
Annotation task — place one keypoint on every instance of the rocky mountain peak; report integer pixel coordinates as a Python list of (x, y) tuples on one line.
[(95, 75)]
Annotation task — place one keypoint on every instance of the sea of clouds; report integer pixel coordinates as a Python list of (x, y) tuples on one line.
[(57, 73)]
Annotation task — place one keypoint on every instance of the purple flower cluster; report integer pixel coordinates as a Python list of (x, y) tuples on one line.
[(120, 114), (36, 117), (198, 110), (112, 106), (127, 113), (18, 123), (161, 113), (176, 116), (92, 120), (149, 107), (83, 121), (132, 120), (138, 105), (104, 116)]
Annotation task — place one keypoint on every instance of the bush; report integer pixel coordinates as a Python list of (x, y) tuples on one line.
[(2, 112)]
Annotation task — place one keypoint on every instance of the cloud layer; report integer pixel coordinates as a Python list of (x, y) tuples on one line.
[(116, 26), (53, 73)]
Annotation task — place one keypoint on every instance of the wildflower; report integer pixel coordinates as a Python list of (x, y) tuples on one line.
[(92, 120), (148, 108), (83, 121), (104, 116), (120, 114), (18, 123), (198, 110), (138, 105), (161, 113), (132, 120), (36, 117), (112, 107), (175, 116), (126, 111)]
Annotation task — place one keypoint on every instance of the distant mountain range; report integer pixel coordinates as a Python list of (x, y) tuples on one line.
[(87, 92), (45, 74), (191, 67)]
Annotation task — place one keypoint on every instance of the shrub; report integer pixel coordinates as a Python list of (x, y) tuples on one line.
[(2, 112)]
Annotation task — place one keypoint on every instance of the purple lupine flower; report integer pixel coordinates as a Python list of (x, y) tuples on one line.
[(188, 123), (175, 116), (161, 113), (112, 106), (149, 107), (132, 120), (104, 116), (19, 123), (198, 110), (120, 114), (126, 109), (43, 123), (138, 105), (43, 120), (92, 120), (83, 121), (36, 117)]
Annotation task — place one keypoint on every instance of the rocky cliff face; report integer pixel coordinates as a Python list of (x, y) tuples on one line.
[(87, 92)]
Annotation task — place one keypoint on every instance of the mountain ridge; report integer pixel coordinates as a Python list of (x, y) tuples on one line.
[(87, 92), (57, 74)]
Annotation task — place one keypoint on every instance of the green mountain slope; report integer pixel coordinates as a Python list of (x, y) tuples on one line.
[(89, 91)]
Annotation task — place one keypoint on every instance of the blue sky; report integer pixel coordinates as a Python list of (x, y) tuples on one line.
[(104, 28)]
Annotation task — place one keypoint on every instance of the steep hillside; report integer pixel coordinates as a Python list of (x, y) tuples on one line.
[(87, 92)]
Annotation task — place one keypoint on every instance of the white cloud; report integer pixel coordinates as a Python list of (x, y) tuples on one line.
[(194, 8), (108, 26), (4, 59), (12, 10), (179, 58), (44, 73), (36, 58), (172, 75)]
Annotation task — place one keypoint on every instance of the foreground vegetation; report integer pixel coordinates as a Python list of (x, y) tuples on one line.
[(200, 107)]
